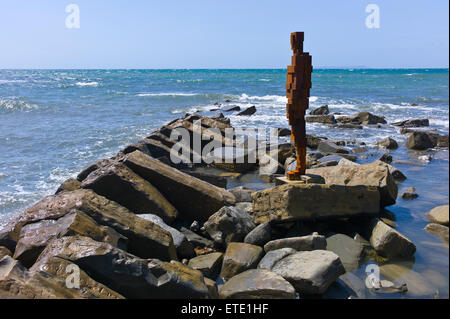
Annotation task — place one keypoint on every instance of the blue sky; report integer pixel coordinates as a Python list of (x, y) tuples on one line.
[(222, 34)]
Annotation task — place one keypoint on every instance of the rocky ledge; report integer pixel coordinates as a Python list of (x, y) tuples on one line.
[(141, 225)]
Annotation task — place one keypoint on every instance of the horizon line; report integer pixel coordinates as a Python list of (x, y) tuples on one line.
[(284, 68)]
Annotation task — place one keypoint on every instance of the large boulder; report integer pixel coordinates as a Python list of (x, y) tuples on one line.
[(193, 198), (303, 243), (325, 119), (257, 284), (310, 272), (330, 147), (129, 275), (422, 140), (260, 235), (439, 215), (388, 143), (35, 236), (413, 123), (375, 174), (61, 269), (145, 238), (364, 118), (234, 159), (120, 184), (208, 264), (240, 257), (323, 110), (195, 239), (248, 111), (349, 250), (309, 201), (70, 184), (16, 282), (184, 248), (229, 224), (388, 242)]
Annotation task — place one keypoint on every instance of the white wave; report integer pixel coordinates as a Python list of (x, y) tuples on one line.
[(264, 80), (272, 98), (167, 94), (12, 81), (14, 104), (440, 122), (93, 83)]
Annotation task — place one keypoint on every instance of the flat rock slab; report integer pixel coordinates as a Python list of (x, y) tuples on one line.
[(304, 179), (257, 284), (303, 243), (310, 201), (194, 199), (35, 236), (439, 215), (310, 272), (130, 276), (119, 183), (208, 264), (273, 256), (374, 174), (145, 238), (238, 258), (389, 242), (349, 250)]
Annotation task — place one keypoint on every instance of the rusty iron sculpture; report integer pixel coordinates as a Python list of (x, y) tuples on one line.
[(297, 92)]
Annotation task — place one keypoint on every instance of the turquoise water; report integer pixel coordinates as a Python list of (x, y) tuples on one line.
[(54, 122)]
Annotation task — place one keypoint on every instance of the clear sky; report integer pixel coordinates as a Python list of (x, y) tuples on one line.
[(222, 34)]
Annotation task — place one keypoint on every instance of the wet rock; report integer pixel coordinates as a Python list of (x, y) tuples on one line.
[(313, 141), (231, 109), (70, 184), (330, 147), (57, 267), (413, 123), (416, 283), (325, 119), (257, 284), (303, 243), (374, 174), (438, 229), (388, 242), (359, 150), (18, 283), (260, 235), (310, 272), (409, 194), (364, 118), (323, 110), (208, 264), (4, 252), (386, 158), (195, 239), (284, 132), (130, 276), (419, 141), (349, 250), (240, 257), (306, 201), (273, 256), (388, 143), (183, 246), (439, 215), (145, 238), (193, 198), (242, 194), (248, 111), (229, 224), (213, 290), (119, 183), (34, 237)]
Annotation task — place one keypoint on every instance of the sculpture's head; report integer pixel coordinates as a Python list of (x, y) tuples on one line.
[(297, 41)]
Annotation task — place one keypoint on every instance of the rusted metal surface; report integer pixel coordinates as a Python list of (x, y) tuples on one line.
[(297, 92)]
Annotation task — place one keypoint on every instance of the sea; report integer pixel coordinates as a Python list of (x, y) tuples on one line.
[(53, 123)]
